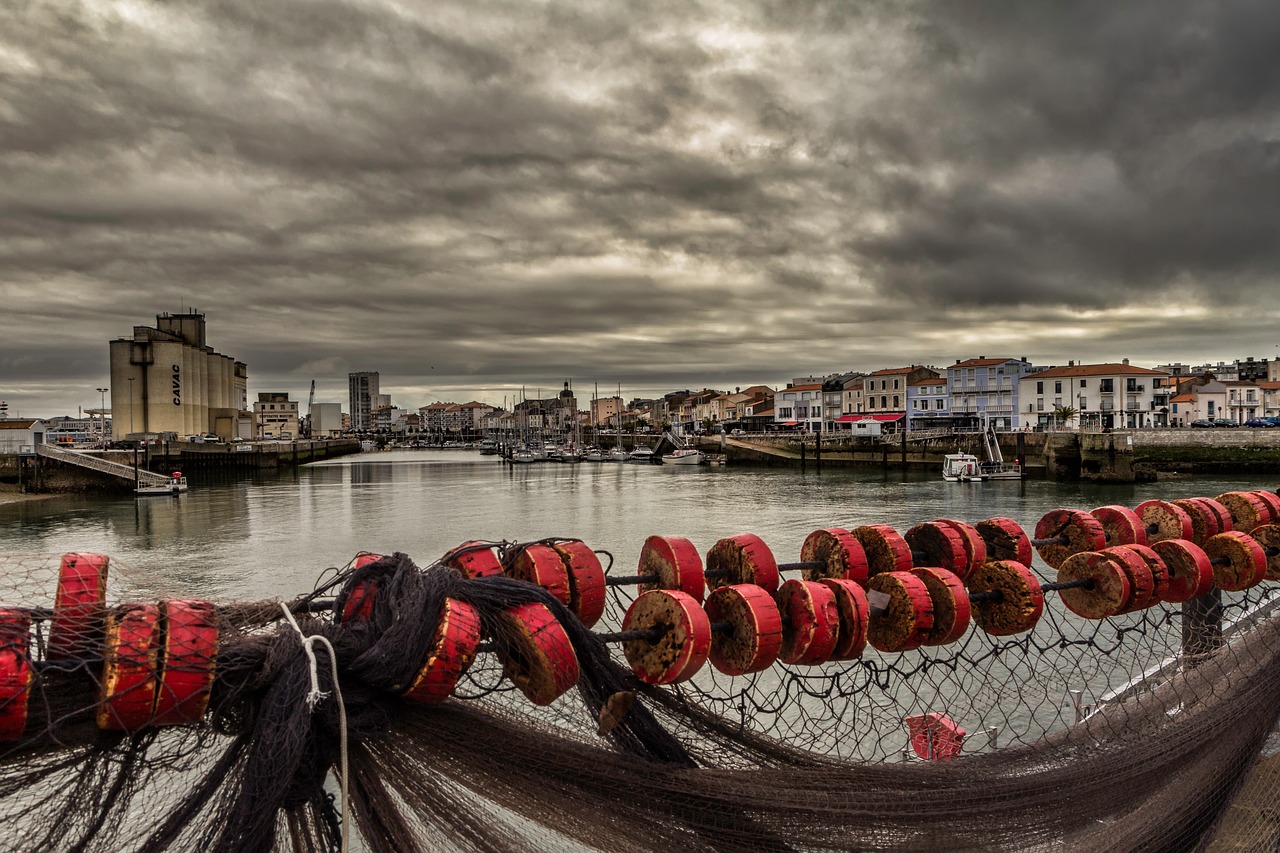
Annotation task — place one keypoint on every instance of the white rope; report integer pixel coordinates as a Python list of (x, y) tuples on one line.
[(314, 698)]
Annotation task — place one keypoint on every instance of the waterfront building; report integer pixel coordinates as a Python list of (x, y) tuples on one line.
[(605, 410), (799, 407), (1105, 396), (1270, 398), (21, 435), (1244, 400), (885, 391), (985, 391), (362, 389), (929, 404), (326, 420), (275, 416), (167, 379)]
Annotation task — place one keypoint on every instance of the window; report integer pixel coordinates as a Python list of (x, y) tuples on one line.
[(784, 414), (939, 405), (1040, 387), (1084, 383), (1106, 386), (884, 402), (1057, 387), (895, 401), (895, 384)]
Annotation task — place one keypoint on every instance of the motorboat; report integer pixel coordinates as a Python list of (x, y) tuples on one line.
[(619, 454), (641, 454), (522, 456), (488, 447), (683, 456), (593, 454), (959, 467)]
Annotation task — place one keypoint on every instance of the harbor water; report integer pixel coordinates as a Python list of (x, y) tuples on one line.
[(273, 535)]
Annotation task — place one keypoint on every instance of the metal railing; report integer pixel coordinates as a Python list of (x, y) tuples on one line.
[(85, 460)]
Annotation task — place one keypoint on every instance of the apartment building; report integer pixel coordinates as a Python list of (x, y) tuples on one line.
[(985, 391), (1104, 396)]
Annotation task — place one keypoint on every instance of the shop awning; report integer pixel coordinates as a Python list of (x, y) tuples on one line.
[(848, 419), (790, 423)]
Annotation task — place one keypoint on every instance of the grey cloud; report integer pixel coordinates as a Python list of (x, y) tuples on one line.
[(468, 196)]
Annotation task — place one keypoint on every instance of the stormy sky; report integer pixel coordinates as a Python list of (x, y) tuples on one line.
[(471, 197)]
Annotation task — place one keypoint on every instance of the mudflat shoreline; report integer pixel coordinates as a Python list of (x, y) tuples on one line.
[(10, 493)]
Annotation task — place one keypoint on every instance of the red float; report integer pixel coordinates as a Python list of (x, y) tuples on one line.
[(452, 651), (15, 672), (1020, 603), (685, 643), (1076, 531), (839, 550), (187, 665), (753, 637), (1204, 521), (811, 623), (1121, 525), (1142, 585), (885, 548), (1164, 520), (129, 670), (904, 622), (1272, 502), (473, 560), (1238, 560), (536, 652), (1108, 593), (1247, 510), (586, 580), (675, 564), (974, 548), (855, 618), (79, 606), (742, 558), (1159, 571), (952, 611), (1190, 572), (359, 604), (1268, 536), (1005, 540), (541, 565), (939, 545)]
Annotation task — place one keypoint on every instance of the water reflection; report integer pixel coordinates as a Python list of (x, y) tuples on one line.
[(272, 534)]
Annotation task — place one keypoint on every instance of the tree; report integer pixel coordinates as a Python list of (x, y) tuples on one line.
[(1064, 414)]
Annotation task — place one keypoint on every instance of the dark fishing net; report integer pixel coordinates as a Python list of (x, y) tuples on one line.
[(1135, 732)]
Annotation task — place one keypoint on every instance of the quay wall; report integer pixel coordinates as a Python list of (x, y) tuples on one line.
[(212, 461), (1118, 457)]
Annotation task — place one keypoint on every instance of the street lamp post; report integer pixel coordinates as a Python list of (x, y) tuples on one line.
[(130, 405), (102, 414)]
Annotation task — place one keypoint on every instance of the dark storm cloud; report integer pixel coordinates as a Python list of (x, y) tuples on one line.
[(470, 197)]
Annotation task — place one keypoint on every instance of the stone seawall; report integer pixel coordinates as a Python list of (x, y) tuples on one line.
[(1118, 457)]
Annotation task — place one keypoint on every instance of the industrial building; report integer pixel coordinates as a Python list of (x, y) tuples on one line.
[(166, 379)]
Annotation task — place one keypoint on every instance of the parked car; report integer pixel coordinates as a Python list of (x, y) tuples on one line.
[(1202, 423), (1224, 423), (1265, 423)]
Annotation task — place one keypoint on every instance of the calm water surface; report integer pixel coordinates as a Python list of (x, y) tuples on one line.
[(273, 535)]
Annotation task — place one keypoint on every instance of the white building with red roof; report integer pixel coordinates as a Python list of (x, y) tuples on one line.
[(1105, 396)]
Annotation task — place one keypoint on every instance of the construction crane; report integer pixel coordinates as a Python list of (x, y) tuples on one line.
[(311, 401)]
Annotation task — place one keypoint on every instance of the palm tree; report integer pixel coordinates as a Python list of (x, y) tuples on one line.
[(1065, 414)]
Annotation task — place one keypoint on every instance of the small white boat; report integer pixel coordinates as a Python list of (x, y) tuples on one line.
[(593, 454), (959, 467), (641, 454), (366, 445), (620, 455), (683, 456), (523, 456)]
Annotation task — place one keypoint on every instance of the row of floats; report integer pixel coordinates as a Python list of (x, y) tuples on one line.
[(869, 585)]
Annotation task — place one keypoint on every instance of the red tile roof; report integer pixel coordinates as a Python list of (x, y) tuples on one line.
[(1096, 370), (981, 362)]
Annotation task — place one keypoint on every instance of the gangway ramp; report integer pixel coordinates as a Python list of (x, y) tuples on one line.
[(97, 463)]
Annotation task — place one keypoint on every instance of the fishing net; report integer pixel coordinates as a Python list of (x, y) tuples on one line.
[(357, 713)]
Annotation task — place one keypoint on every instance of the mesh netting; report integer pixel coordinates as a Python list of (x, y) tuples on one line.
[(1131, 732)]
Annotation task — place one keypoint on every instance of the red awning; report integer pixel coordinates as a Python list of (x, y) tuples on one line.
[(845, 419), (790, 423)]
